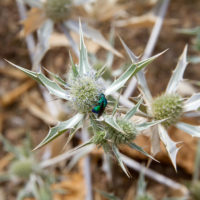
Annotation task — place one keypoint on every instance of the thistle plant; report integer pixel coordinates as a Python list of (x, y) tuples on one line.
[(88, 93), (25, 168), (170, 106), (45, 15)]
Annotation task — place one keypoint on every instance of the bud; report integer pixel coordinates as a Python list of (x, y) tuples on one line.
[(57, 10), (168, 106), (117, 137), (22, 168), (85, 93)]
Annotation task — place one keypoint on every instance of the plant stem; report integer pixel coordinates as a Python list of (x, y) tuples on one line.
[(155, 176), (86, 167)]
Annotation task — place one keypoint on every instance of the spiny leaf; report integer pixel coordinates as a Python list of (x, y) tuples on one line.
[(84, 66), (50, 85), (119, 159), (30, 73), (56, 77), (93, 34), (140, 149), (116, 105), (146, 125), (72, 133), (74, 68), (60, 128), (194, 131), (131, 71), (111, 121), (131, 55), (193, 103), (101, 71), (177, 75), (132, 112), (169, 144)]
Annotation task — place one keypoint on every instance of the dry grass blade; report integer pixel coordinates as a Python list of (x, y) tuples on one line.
[(109, 9), (146, 20), (13, 95), (38, 112), (13, 73), (4, 162), (34, 20), (156, 176)]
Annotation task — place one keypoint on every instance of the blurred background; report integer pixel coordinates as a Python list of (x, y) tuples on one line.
[(27, 112)]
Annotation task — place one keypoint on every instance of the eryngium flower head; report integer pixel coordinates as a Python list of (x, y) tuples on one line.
[(57, 10), (85, 91), (117, 137), (22, 168), (168, 106)]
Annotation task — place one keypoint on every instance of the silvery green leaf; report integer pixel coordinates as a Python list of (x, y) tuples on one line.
[(131, 55), (132, 112), (57, 78), (60, 128), (116, 105), (93, 34), (142, 83), (33, 3), (53, 87), (110, 55), (140, 149), (74, 67), (84, 66), (119, 159), (177, 75), (101, 71), (146, 125), (193, 103), (170, 145), (50, 85), (44, 34), (30, 73), (111, 121), (131, 71), (155, 140), (194, 131), (143, 86), (72, 133), (194, 59)]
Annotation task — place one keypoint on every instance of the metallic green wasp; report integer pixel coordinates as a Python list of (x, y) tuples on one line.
[(101, 105)]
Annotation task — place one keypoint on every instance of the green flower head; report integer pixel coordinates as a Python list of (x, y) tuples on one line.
[(57, 10), (168, 106)]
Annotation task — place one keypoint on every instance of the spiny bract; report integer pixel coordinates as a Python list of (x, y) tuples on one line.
[(117, 137), (168, 106), (57, 10)]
